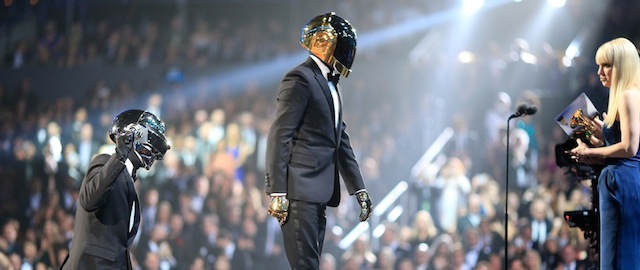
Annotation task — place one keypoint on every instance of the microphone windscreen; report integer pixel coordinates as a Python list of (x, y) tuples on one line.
[(522, 108), (531, 110)]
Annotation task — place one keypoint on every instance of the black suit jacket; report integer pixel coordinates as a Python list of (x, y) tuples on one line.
[(305, 151), (101, 233)]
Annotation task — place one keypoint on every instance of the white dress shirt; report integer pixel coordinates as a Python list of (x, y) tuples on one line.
[(334, 88)]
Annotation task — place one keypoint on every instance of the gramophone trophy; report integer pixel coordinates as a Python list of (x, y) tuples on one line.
[(577, 119), (582, 124)]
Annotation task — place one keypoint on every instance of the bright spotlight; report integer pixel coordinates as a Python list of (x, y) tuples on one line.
[(395, 213), (528, 58), (471, 6), (557, 3), (466, 57), (378, 231), (566, 61), (572, 51), (337, 230)]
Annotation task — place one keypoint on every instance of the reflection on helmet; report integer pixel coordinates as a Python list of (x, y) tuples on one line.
[(149, 142), (332, 39)]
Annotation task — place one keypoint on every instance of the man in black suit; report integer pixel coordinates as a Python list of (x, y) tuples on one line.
[(109, 214), (541, 224), (308, 148)]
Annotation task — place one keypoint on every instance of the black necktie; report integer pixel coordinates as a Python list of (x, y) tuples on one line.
[(333, 78)]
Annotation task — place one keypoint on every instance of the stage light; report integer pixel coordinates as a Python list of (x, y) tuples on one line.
[(557, 3), (271, 71), (351, 237), (571, 52), (379, 231), (466, 57), (528, 58), (566, 61), (337, 230), (395, 213), (471, 6)]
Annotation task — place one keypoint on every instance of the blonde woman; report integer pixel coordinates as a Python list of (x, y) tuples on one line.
[(618, 137), (424, 229)]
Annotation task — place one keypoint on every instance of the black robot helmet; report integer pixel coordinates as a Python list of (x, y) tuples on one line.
[(332, 39), (149, 141)]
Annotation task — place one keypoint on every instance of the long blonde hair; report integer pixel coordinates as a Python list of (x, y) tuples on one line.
[(622, 56)]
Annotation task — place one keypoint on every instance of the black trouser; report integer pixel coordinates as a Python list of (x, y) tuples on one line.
[(303, 234)]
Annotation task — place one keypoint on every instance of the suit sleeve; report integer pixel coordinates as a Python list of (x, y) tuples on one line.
[(293, 97), (97, 184), (348, 165)]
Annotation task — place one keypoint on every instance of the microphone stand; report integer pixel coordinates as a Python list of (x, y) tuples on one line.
[(506, 202), (523, 109), (506, 198)]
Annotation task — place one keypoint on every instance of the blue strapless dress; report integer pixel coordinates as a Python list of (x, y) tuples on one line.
[(619, 191)]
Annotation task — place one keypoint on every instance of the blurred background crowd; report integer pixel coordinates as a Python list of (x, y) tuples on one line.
[(210, 70)]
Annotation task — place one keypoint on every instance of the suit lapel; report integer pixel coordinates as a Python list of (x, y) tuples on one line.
[(327, 93), (324, 85)]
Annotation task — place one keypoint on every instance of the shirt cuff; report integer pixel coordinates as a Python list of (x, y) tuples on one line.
[(277, 194)]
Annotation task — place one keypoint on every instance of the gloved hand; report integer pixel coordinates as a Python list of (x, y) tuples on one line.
[(365, 205), (279, 208), (124, 145)]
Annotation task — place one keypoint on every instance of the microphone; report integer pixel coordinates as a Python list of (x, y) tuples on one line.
[(532, 110), (524, 109)]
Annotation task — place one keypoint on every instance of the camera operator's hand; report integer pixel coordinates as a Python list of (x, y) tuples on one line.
[(124, 145)]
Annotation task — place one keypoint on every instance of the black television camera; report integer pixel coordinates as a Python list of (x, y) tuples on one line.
[(578, 170), (587, 220)]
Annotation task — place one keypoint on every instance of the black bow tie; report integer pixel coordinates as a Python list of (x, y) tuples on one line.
[(333, 78)]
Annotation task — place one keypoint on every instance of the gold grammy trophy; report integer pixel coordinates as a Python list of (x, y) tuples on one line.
[(577, 119), (582, 124)]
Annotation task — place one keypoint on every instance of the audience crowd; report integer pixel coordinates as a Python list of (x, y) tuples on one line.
[(204, 204)]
